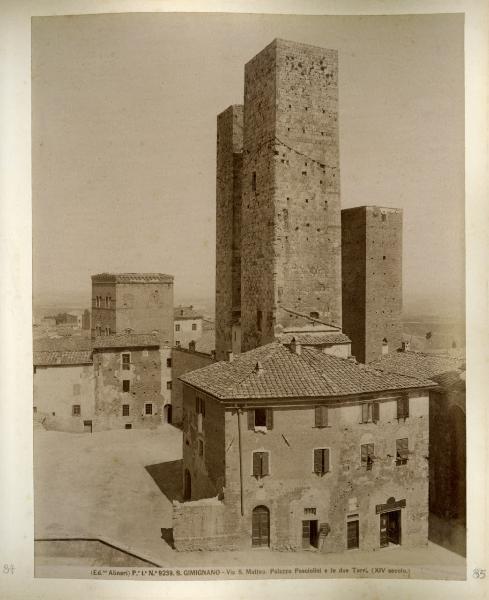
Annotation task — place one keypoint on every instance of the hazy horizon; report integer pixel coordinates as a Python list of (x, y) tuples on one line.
[(124, 138)]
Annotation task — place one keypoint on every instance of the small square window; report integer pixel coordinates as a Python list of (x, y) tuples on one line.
[(125, 410), (168, 363), (76, 410), (402, 451), (177, 343), (177, 327), (126, 385), (148, 409), (168, 385), (194, 326), (128, 426)]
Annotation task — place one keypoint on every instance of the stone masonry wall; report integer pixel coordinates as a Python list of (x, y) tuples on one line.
[(228, 225), (354, 272), (145, 388), (183, 361), (291, 239), (144, 308), (348, 488), (372, 279), (102, 316)]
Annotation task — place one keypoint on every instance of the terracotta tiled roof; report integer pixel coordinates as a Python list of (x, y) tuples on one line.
[(417, 363), (132, 278), (274, 371), (62, 344), (126, 340), (453, 380), (186, 312), (321, 338), (50, 358)]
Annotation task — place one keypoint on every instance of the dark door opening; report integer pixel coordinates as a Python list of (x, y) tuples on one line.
[(352, 535), (260, 527), (390, 528), (187, 485), (310, 535), (87, 426), (167, 413)]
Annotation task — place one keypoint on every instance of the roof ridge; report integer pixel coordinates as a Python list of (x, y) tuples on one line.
[(274, 350)]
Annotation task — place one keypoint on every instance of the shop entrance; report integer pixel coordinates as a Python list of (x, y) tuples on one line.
[(390, 528)]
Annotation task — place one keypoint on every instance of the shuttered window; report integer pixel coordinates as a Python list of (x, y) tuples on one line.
[(402, 451), (260, 464), (403, 407), (375, 412), (365, 411), (321, 416), (321, 460), (370, 412), (260, 417), (367, 455)]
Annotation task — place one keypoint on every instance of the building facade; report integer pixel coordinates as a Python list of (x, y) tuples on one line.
[(229, 165), (291, 447), (128, 379), (372, 280), (138, 302), (188, 325)]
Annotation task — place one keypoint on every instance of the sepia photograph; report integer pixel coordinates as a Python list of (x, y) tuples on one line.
[(243, 249), (248, 328)]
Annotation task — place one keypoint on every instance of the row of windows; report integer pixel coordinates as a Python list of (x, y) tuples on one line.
[(101, 302), (126, 385), (99, 330), (370, 413), (321, 459), (76, 409), (194, 327)]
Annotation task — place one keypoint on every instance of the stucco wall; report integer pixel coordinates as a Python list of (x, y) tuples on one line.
[(348, 488), (184, 361), (57, 389)]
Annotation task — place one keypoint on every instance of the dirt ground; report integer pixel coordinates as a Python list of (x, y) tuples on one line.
[(117, 486)]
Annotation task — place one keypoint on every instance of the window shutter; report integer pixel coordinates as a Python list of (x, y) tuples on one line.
[(371, 450), (406, 406), (317, 416), (196, 404), (251, 419), (269, 418), (203, 407), (264, 463), (318, 460), (256, 464), (364, 413), (326, 460), (324, 415), (403, 447), (375, 412), (364, 452)]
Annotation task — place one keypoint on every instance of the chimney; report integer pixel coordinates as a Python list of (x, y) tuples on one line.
[(405, 346), (258, 368), (295, 346), (230, 356)]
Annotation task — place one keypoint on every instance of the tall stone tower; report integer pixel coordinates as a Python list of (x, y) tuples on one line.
[(290, 220), (228, 230), (372, 280), (140, 302)]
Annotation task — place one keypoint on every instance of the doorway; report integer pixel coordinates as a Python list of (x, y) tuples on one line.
[(167, 411), (87, 426), (390, 528), (260, 527), (352, 534), (310, 534), (187, 485)]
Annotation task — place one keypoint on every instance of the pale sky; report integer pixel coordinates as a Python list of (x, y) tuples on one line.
[(124, 138)]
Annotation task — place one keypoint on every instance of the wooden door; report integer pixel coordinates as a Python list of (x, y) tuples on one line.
[(260, 527), (394, 527), (87, 426), (352, 535)]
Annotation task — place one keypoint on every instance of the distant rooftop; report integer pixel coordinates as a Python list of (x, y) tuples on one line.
[(277, 371), (419, 364), (186, 312), (126, 340), (52, 358), (132, 278), (315, 338)]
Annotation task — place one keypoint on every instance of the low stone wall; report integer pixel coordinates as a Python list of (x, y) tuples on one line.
[(201, 525)]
